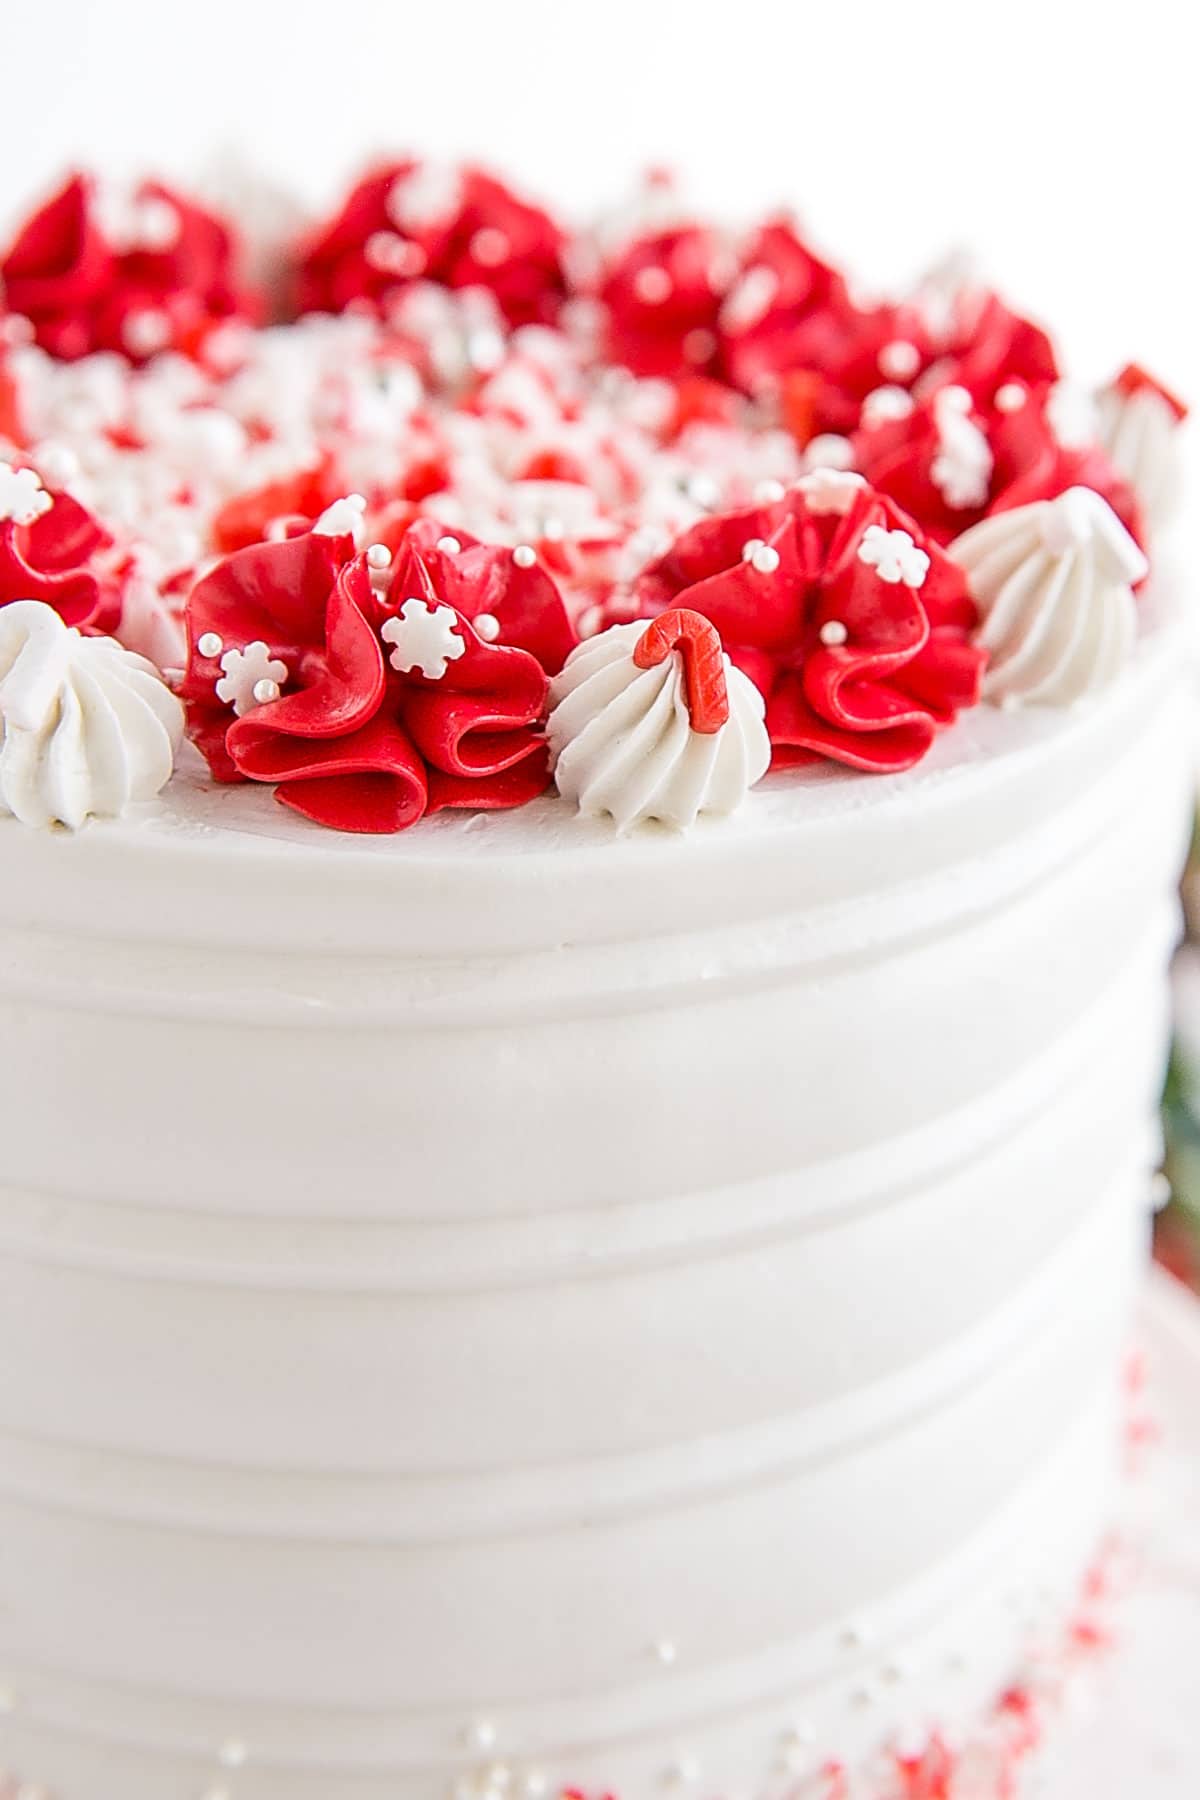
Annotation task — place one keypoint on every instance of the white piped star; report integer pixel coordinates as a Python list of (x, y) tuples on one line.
[(22, 496), (247, 670), (424, 637), (894, 556)]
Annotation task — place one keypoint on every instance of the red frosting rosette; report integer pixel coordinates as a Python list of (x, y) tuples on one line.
[(365, 695), (950, 460), (783, 304), (160, 274), (409, 221), (827, 354), (49, 544), (853, 625), (662, 301), (987, 345)]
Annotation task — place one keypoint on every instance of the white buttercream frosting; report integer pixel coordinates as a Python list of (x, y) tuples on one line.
[(86, 727), (623, 743), (1054, 583), (1140, 431)]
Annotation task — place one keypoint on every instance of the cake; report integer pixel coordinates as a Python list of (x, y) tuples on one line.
[(591, 838)]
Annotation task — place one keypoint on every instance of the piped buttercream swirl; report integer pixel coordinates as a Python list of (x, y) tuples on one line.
[(1139, 427), (86, 727), (623, 740), (1054, 585)]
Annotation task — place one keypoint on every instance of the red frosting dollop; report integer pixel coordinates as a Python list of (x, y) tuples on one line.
[(160, 278), (352, 741), (904, 455), (854, 667), (406, 222), (53, 558)]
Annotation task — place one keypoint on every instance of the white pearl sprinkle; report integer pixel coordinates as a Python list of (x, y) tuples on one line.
[(652, 285), (264, 692), (768, 492), (1160, 1191), (703, 491), (379, 556), (751, 548), (833, 632), (1010, 397), (490, 246), (666, 1651), (209, 644), (450, 546), (524, 556), (232, 1755), (900, 360), (487, 626), (765, 559)]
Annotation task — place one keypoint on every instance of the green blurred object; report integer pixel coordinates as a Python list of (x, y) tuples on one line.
[(1177, 1231)]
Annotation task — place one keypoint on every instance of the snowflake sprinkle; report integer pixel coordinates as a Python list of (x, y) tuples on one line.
[(424, 637), (251, 677), (830, 490), (893, 556), (22, 496)]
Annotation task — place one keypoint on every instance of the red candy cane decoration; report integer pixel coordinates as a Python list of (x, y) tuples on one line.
[(1133, 379), (699, 645)]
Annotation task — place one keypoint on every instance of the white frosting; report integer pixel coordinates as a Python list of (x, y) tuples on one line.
[(1053, 581), (395, 1432), (1140, 431), (86, 727), (623, 744)]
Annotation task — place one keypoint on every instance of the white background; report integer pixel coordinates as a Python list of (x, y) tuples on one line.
[(1060, 140)]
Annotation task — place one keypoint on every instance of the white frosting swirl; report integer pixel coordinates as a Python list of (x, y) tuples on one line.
[(1054, 584), (622, 741), (1140, 431), (86, 727)]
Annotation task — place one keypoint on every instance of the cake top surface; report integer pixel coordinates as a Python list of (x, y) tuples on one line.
[(440, 513)]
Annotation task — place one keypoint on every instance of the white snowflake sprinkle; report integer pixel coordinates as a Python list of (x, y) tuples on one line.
[(424, 637), (244, 670), (884, 403), (750, 300), (894, 556), (427, 196), (962, 468), (344, 517), (22, 496), (830, 490), (829, 450)]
